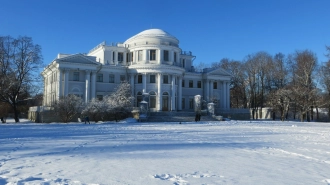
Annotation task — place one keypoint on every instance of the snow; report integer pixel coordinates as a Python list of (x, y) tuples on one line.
[(130, 152)]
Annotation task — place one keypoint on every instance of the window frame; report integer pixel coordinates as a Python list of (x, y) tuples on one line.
[(165, 80), (139, 79), (76, 76), (111, 78), (166, 57), (199, 84), (152, 80), (99, 77), (152, 55), (191, 83), (120, 56)]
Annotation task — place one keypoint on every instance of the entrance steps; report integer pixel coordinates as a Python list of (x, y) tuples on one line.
[(176, 117)]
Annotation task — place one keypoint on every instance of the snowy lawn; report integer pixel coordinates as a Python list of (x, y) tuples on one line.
[(229, 152)]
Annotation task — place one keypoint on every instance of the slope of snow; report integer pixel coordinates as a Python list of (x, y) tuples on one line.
[(228, 152)]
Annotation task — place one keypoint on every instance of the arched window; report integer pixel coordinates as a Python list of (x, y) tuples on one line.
[(152, 99), (138, 98)]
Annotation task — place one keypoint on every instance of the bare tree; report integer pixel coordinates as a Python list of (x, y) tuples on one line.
[(304, 89), (238, 85), (325, 80), (20, 60), (67, 107)]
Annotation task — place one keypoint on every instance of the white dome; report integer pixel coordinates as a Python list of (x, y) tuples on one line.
[(152, 34)]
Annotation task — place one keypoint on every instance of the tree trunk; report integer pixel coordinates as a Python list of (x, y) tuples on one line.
[(312, 113), (15, 113)]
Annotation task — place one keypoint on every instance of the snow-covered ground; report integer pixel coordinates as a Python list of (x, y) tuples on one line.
[(229, 152)]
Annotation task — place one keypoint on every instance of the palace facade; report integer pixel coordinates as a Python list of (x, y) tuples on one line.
[(151, 62)]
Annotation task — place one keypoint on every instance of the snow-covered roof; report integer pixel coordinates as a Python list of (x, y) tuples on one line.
[(152, 33)]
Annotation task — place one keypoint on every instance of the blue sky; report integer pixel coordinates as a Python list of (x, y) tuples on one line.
[(211, 29)]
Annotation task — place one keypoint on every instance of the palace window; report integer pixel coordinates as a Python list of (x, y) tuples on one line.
[(183, 103), (166, 57), (75, 76), (140, 55), (174, 56), (152, 98), (139, 79), (99, 78), (113, 56), (138, 98), (191, 84), (120, 56), (122, 78), (183, 63), (165, 79), (182, 83), (199, 84), (215, 85), (131, 56), (152, 54), (111, 78), (152, 78), (191, 103)]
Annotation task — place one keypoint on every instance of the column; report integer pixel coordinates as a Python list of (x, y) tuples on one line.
[(124, 58), (93, 85), (66, 82), (160, 94), (132, 86), (207, 94), (179, 93), (224, 94), (228, 95), (159, 56), (144, 82), (116, 58), (145, 56), (173, 93), (87, 86), (211, 90), (60, 83)]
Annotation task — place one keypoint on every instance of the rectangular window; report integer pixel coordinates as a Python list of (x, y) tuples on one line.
[(215, 85), (152, 101), (113, 56), (75, 76), (199, 84), (174, 56), (166, 57), (122, 78), (120, 56), (182, 83), (165, 79), (99, 97), (191, 103), (152, 78), (99, 78), (191, 84), (140, 55), (139, 79), (183, 63), (152, 54), (111, 78), (183, 103), (131, 56)]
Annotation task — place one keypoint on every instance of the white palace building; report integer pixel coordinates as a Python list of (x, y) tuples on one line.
[(151, 62)]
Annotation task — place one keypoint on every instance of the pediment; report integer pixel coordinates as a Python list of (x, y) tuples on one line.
[(79, 59), (219, 71)]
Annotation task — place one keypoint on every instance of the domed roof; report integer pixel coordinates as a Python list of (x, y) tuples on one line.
[(152, 33)]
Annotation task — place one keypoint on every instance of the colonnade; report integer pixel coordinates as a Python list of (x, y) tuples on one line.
[(175, 92)]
